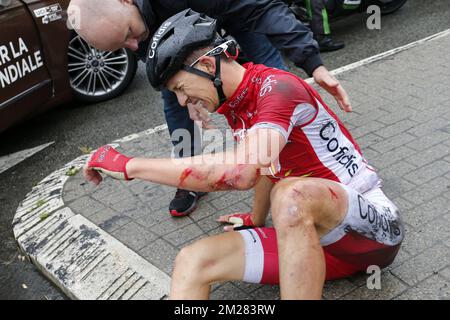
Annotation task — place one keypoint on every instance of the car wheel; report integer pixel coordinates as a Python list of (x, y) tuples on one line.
[(389, 6), (96, 75)]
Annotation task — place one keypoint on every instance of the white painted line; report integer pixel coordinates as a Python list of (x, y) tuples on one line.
[(11, 160), (141, 134)]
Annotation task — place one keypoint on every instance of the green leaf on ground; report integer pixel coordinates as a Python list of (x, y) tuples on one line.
[(72, 171), (85, 150), (44, 215), (40, 203)]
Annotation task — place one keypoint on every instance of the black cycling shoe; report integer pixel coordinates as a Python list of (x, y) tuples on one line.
[(185, 202), (327, 44)]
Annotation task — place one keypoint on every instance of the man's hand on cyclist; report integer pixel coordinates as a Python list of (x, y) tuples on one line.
[(327, 81), (198, 113)]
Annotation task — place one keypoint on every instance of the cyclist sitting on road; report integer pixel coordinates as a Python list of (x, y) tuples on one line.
[(331, 218)]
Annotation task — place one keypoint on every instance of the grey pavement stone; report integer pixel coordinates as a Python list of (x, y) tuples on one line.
[(403, 204), (183, 235), (425, 236), (160, 253), (428, 172), (359, 279), (153, 218), (169, 225), (193, 240), (141, 187), (394, 187), (397, 170), (430, 127), (425, 142), (396, 128), (336, 289), (267, 292), (370, 139), (445, 130), (418, 196), (424, 265), (134, 236), (134, 211), (157, 202), (445, 273), (215, 195), (433, 288), (120, 195), (390, 287), (70, 195), (370, 153), (414, 102), (86, 206), (361, 131), (438, 186), (230, 198), (426, 212), (427, 156), (393, 142), (204, 209), (386, 159), (401, 257), (130, 205), (248, 287), (150, 194), (109, 220), (107, 187), (229, 292)]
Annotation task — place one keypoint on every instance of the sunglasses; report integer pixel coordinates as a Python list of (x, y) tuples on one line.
[(229, 48)]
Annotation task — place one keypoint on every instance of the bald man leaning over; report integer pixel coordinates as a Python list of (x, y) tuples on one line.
[(262, 28)]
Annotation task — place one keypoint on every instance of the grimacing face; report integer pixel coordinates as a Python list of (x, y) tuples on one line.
[(192, 88)]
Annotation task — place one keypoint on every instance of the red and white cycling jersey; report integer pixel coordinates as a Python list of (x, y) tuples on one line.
[(318, 144)]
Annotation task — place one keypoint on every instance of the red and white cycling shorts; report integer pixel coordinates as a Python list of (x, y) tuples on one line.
[(370, 234)]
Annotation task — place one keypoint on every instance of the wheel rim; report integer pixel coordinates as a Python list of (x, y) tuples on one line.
[(94, 72)]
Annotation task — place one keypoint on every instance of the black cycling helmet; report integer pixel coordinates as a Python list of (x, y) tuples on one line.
[(176, 39)]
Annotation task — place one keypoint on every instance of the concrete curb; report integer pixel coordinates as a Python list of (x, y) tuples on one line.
[(82, 259)]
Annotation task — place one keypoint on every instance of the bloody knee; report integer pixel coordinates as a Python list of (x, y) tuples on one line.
[(294, 202)]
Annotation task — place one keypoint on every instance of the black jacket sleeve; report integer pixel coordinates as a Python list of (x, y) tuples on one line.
[(269, 17)]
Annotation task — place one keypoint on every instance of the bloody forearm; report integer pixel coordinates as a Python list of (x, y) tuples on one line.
[(184, 173)]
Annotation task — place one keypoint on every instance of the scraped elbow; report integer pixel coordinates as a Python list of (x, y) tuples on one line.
[(247, 181), (239, 177)]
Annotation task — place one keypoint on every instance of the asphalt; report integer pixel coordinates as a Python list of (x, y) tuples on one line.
[(117, 241)]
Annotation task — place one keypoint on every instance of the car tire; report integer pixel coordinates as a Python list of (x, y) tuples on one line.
[(96, 75), (389, 7)]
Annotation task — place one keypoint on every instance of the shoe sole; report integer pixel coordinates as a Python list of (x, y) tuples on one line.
[(191, 209)]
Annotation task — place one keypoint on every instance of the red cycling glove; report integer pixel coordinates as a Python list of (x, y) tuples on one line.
[(109, 161)]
